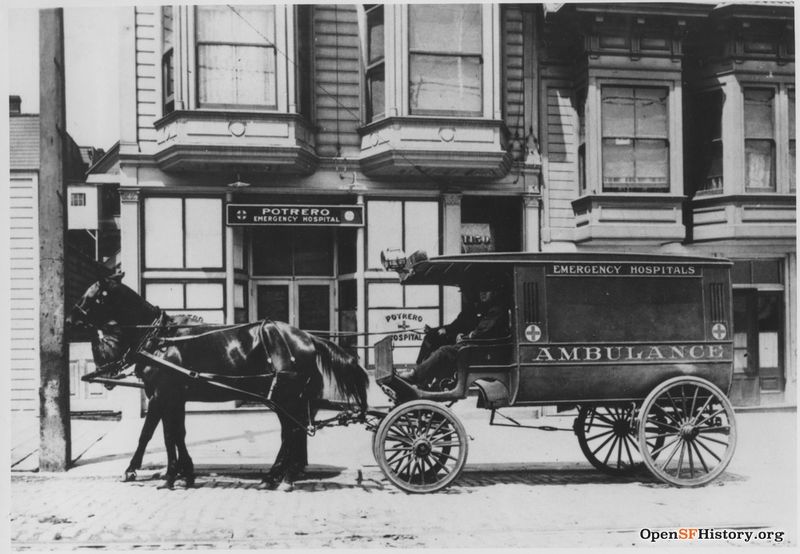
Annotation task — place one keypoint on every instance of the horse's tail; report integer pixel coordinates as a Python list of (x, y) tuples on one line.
[(337, 365)]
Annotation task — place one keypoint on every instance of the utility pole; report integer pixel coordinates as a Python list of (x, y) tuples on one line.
[(54, 424)]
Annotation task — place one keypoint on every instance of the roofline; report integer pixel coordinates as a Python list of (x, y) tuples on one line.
[(550, 257), (113, 151)]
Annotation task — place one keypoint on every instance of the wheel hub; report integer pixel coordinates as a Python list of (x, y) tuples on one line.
[(689, 431), (422, 448), (622, 427)]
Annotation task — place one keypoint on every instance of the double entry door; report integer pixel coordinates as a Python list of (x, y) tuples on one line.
[(304, 303)]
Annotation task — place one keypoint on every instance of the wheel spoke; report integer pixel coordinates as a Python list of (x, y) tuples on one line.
[(398, 438), (628, 448), (715, 414), (605, 442), (694, 401), (604, 433), (604, 419), (665, 413), (674, 406), (699, 456), (707, 449), (600, 425), (722, 429), (445, 444), (398, 449), (723, 443), (678, 443), (691, 461), (611, 450), (680, 459)]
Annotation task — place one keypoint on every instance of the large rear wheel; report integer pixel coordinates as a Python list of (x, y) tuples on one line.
[(694, 422), (421, 446)]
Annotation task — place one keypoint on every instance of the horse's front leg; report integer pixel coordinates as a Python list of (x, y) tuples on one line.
[(185, 464), (171, 426), (151, 420), (277, 472)]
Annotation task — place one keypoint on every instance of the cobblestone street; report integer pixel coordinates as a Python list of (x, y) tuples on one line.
[(521, 488)]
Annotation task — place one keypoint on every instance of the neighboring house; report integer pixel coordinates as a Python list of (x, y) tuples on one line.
[(24, 272), (268, 154)]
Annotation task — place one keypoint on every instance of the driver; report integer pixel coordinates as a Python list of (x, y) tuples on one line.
[(493, 322), (465, 322)]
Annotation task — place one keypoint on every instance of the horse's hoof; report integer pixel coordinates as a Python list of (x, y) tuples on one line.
[(168, 484), (286, 486), (189, 481), (129, 476)]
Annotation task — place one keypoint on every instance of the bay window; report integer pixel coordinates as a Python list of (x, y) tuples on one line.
[(236, 56), (445, 59), (635, 147), (759, 139)]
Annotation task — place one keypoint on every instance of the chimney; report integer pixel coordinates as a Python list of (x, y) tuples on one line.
[(14, 105)]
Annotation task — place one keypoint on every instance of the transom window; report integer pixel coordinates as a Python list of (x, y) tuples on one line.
[(759, 139), (236, 56), (635, 139), (445, 59)]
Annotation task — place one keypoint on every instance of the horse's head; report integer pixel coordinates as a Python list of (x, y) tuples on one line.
[(101, 303)]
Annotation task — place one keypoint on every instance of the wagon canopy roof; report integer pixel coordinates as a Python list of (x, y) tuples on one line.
[(458, 269)]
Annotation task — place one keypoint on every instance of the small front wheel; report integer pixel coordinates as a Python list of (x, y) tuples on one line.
[(606, 435), (421, 446), (687, 432)]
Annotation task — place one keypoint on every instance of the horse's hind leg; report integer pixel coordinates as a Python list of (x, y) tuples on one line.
[(151, 420)]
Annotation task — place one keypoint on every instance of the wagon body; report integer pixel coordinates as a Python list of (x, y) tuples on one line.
[(641, 345), (592, 327)]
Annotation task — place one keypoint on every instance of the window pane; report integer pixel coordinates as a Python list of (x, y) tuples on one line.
[(238, 296), (375, 38), (651, 112), (167, 28), (445, 84), (422, 227), (422, 296), (163, 232), (617, 112), (204, 295), (272, 302), (236, 75), (384, 229), (203, 232), (445, 28), (652, 165), (792, 164), (207, 316), (760, 164), (618, 166), (236, 24), (766, 271), (792, 122), (167, 296), (314, 307), (377, 92), (385, 295), (758, 114), (313, 251), (238, 248), (272, 251)]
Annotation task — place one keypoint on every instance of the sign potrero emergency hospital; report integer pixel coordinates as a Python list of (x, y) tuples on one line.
[(294, 214)]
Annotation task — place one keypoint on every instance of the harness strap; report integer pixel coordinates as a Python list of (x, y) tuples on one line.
[(170, 340)]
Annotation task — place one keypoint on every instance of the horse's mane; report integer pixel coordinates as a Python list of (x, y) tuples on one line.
[(335, 362)]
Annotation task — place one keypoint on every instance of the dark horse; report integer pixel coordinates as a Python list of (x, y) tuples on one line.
[(296, 371)]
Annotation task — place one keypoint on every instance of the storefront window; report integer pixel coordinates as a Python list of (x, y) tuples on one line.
[(236, 55), (296, 251), (410, 225), (183, 233), (445, 63), (635, 139), (205, 300), (759, 139)]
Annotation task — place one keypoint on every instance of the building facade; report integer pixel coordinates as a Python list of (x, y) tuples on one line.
[(269, 154)]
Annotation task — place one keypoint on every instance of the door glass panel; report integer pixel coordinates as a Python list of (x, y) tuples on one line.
[(272, 251), (314, 307), (742, 332), (313, 252), (272, 302)]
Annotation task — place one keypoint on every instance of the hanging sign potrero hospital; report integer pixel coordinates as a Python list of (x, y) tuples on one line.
[(294, 214)]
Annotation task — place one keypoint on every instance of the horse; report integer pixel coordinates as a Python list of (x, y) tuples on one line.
[(105, 351), (294, 370)]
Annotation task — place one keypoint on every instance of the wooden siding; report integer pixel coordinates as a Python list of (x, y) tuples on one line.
[(561, 155), (337, 92), (513, 70), (23, 293), (146, 73)]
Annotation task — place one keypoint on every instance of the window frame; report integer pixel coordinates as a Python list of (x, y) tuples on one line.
[(442, 54), (167, 61), (372, 68), (773, 186), (270, 47), (599, 77), (74, 198), (183, 266), (634, 138)]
